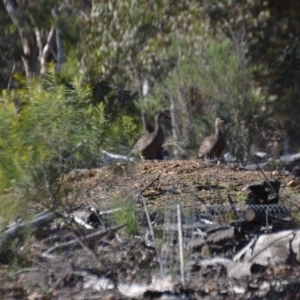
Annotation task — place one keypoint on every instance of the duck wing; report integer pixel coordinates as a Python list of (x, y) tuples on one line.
[(143, 143), (206, 146)]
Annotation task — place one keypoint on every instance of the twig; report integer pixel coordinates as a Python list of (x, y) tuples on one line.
[(11, 76), (198, 198), (85, 247), (154, 195), (151, 229), (110, 211), (238, 255), (180, 242), (44, 266), (144, 189), (148, 218)]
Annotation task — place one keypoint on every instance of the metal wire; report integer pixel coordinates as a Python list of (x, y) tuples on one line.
[(228, 212)]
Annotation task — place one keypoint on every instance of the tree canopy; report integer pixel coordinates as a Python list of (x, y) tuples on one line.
[(119, 47)]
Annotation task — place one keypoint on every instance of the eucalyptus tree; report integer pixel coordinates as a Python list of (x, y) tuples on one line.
[(41, 26), (128, 41)]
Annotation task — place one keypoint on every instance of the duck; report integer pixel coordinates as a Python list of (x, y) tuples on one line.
[(151, 143), (214, 145)]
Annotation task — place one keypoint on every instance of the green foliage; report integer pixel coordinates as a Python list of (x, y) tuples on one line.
[(129, 39), (225, 81), (153, 102), (125, 212), (123, 137), (132, 42), (47, 129)]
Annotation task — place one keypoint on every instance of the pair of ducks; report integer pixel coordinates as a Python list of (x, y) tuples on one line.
[(211, 147)]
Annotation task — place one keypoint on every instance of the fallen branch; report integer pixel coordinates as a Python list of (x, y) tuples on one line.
[(20, 272), (263, 218), (238, 255), (13, 232), (74, 243), (87, 248), (212, 236)]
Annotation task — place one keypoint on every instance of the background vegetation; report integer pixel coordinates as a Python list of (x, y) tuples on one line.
[(81, 76)]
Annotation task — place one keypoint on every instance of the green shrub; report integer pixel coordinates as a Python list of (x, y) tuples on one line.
[(48, 129), (126, 212)]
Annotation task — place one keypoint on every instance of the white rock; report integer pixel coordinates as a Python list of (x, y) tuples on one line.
[(138, 289), (239, 289), (98, 284)]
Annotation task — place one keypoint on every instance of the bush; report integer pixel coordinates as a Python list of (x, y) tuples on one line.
[(48, 129)]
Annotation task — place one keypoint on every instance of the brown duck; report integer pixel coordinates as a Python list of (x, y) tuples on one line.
[(214, 145), (150, 143)]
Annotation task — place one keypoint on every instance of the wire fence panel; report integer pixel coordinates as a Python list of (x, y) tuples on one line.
[(195, 216), (223, 214), (197, 220)]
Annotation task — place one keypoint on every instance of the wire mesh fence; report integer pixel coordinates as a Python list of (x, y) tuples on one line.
[(192, 214), (224, 213), (170, 247)]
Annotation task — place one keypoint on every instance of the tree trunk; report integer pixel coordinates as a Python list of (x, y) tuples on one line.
[(174, 127), (30, 56), (143, 92), (34, 52)]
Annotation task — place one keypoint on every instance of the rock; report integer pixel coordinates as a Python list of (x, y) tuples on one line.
[(98, 284), (239, 289), (264, 288), (253, 285)]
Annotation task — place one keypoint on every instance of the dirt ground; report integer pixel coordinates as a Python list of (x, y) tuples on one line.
[(181, 181), (130, 260)]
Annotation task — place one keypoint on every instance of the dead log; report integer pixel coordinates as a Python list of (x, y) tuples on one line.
[(92, 238), (40, 221), (214, 235), (262, 217)]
